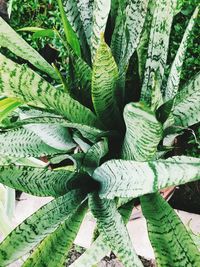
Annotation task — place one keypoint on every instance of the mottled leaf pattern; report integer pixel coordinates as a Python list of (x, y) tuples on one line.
[(53, 250), (24, 143), (36, 227), (186, 109), (104, 79), (143, 132), (111, 226), (158, 45), (168, 235), (37, 181), (128, 29), (175, 72), (22, 82), (101, 9), (126, 178), (11, 40)]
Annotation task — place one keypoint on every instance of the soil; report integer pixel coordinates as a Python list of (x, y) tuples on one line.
[(111, 261)]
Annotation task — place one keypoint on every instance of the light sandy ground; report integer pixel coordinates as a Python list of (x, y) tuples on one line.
[(136, 226)]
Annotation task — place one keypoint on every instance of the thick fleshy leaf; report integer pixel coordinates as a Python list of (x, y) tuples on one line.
[(127, 178), (11, 40), (101, 9), (158, 45), (25, 143), (20, 81), (111, 226), (104, 81), (36, 227), (143, 132), (85, 9), (54, 248), (175, 72), (186, 109), (69, 33), (128, 28), (173, 245), (99, 248), (94, 154), (91, 133), (37, 181)]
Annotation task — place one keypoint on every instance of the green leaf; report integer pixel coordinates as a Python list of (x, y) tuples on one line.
[(37, 181), (91, 133), (99, 248), (101, 9), (175, 72), (74, 18), (143, 132), (186, 110), (158, 45), (104, 79), (127, 178), (94, 155), (24, 143), (111, 226), (44, 33), (172, 244), (128, 28), (36, 227), (7, 105), (11, 40), (85, 9), (69, 32), (20, 81), (53, 250)]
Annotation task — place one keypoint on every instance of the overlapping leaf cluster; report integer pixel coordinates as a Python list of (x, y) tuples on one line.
[(101, 147)]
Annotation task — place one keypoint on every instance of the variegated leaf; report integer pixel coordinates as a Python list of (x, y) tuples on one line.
[(158, 45), (101, 9), (143, 132), (127, 178), (11, 40), (20, 81), (54, 248), (36, 227), (36, 180), (128, 29), (173, 245), (111, 226), (175, 72), (186, 109), (104, 79)]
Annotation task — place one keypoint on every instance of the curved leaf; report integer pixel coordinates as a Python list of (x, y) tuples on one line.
[(36, 227), (22, 82), (7, 105), (112, 228), (104, 79), (37, 181), (101, 9), (25, 143), (158, 45), (99, 248), (128, 28), (11, 40), (186, 110), (143, 132), (126, 178), (172, 243), (69, 33), (54, 248), (175, 72)]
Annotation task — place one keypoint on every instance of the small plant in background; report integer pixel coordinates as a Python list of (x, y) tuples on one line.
[(104, 129)]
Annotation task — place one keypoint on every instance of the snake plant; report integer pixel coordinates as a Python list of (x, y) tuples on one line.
[(104, 129)]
